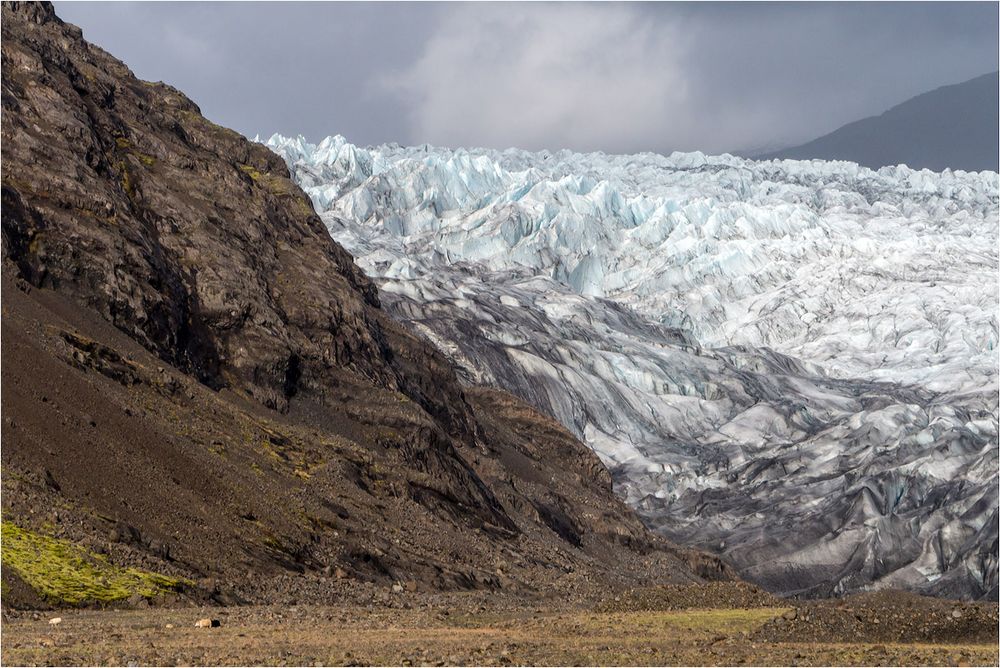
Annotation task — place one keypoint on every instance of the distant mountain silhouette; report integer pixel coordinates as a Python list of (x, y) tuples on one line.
[(952, 127)]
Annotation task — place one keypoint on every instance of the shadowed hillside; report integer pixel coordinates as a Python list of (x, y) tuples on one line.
[(952, 127)]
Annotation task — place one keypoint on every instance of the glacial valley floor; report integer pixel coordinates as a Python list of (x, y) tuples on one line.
[(467, 630)]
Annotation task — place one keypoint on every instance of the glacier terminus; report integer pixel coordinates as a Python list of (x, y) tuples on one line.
[(792, 364)]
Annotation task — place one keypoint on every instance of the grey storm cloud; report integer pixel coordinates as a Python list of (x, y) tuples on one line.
[(617, 77)]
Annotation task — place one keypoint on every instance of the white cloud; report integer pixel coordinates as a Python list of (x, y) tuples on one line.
[(710, 76), (584, 76)]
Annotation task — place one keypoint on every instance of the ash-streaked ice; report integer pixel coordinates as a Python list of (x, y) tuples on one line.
[(789, 363)]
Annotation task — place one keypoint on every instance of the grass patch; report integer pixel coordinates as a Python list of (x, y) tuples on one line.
[(721, 620), (65, 573), (281, 187), (251, 172), (34, 246), (126, 180), (126, 145)]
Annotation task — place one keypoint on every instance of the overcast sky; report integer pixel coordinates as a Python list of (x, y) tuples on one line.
[(617, 77)]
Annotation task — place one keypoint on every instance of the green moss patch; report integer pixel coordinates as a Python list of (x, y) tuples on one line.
[(278, 186), (251, 172), (65, 573), (126, 179), (126, 146)]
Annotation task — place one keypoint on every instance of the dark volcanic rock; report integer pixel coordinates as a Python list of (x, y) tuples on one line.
[(211, 382)]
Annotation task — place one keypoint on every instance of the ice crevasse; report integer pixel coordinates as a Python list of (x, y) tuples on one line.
[(790, 363)]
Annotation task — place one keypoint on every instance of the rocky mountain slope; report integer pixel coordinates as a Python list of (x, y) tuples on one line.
[(790, 364), (952, 127), (203, 398)]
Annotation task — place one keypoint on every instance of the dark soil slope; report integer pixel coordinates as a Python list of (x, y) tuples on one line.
[(202, 397)]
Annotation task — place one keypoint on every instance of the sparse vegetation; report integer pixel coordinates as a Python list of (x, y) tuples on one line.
[(126, 145), (456, 634), (278, 186), (126, 179), (251, 171), (67, 574)]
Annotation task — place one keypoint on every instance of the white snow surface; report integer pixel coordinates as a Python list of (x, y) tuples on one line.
[(785, 341)]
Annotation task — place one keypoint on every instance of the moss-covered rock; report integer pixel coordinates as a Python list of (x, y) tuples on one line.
[(65, 573)]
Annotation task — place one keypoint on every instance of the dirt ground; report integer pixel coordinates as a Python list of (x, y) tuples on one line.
[(469, 631)]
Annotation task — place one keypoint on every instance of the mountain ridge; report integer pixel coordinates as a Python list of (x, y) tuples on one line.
[(951, 127)]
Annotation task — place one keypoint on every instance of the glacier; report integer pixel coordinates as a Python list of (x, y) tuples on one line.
[(790, 364)]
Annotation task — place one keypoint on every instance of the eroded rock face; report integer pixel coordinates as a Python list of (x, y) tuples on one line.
[(252, 410), (186, 236), (175, 228)]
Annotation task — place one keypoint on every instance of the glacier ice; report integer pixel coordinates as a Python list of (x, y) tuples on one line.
[(792, 364)]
